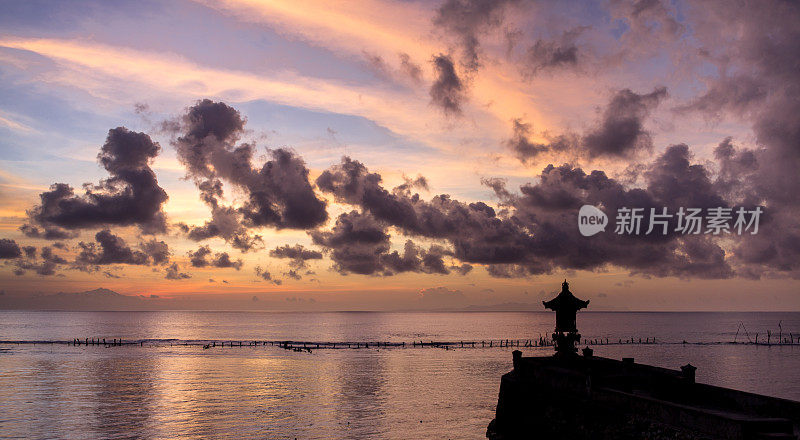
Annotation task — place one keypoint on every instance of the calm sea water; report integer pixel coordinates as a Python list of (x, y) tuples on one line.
[(167, 390)]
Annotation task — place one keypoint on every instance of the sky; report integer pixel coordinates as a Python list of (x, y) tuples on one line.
[(393, 155)]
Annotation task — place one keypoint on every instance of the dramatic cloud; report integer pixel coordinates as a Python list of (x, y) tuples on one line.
[(221, 259), (621, 130), (619, 134), (551, 55), (537, 232), (44, 266), (467, 20), (447, 91), (30, 251), (297, 254), (198, 257), (112, 250), (131, 196), (278, 193), (360, 244), (225, 223), (157, 250), (527, 150), (357, 242), (477, 235), (757, 80), (416, 259), (747, 74), (9, 248), (549, 208), (224, 260)]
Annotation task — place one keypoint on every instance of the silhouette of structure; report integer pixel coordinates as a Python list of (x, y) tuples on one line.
[(566, 306), (568, 396)]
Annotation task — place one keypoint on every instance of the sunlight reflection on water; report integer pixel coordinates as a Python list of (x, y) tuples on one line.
[(60, 391)]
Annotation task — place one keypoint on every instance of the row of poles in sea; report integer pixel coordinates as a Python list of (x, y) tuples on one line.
[(780, 339), (304, 345), (771, 339)]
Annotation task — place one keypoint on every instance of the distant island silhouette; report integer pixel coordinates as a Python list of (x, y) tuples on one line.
[(103, 299)]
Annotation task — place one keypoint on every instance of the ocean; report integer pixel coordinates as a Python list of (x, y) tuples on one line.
[(161, 388)]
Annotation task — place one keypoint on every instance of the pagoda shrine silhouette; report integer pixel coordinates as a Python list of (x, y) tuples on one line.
[(566, 306), (572, 396)]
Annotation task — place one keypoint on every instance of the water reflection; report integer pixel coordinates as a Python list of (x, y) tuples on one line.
[(360, 378), (58, 391), (124, 392)]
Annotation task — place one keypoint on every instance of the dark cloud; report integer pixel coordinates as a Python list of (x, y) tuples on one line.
[(467, 20), (225, 223), (527, 150), (620, 132), (447, 91), (552, 55), (46, 265), (549, 208), (172, 272), (9, 248), (223, 260), (415, 259), (357, 242), (475, 232), (278, 193), (298, 255), (350, 182), (30, 251), (462, 269), (157, 250), (536, 231), (756, 80), (131, 196), (112, 250), (48, 255), (198, 257), (672, 178), (220, 259), (282, 195)]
